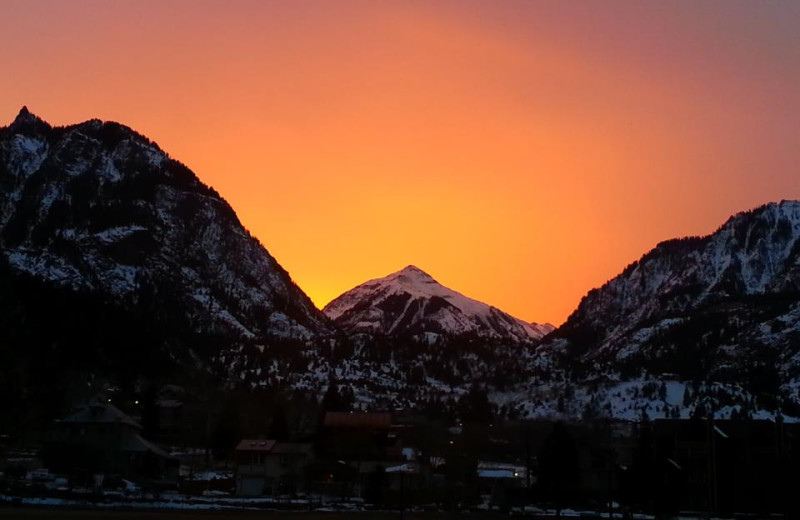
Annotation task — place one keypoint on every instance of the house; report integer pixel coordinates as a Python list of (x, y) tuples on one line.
[(171, 415), (100, 438), (269, 467), (727, 465), (361, 437), (502, 482), (367, 443)]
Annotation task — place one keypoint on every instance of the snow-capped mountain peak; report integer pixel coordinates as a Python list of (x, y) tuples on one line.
[(412, 301), (411, 278)]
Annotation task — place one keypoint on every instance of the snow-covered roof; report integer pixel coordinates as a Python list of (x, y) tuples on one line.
[(403, 468), (255, 445), (496, 473), (169, 403), (138, 443), (99, 412)]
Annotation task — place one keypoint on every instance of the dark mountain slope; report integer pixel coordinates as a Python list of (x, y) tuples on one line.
[(117, 263)]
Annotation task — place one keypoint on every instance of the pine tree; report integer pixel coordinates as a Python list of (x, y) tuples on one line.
[(279, 428), (559, 467), (474, 406), (150, 422)]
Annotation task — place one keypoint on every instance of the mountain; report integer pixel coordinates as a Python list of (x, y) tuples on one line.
[(410, 301), (719, 314), (96, 207), (117, 263), (119, 267), (749, 268)]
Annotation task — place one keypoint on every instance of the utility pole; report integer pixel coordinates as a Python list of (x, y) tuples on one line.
[(610, 493), (402, 494), (527, 457)]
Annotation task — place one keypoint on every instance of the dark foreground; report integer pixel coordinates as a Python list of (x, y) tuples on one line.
[(76, 514)]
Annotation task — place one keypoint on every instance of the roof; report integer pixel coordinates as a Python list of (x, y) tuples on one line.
[(408, 467), (487, 469), (496, 473), (754, 431), (271, 446), (169, 403), (358, 420), (99, 412), (255, 445), (292, 447), (138, 443)]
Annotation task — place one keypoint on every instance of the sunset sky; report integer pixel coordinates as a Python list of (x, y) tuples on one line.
[(521, 153)]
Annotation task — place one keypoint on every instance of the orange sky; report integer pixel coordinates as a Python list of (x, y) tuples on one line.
[(520, 152)]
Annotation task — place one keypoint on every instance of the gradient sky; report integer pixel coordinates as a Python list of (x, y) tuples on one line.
[(520, 152)]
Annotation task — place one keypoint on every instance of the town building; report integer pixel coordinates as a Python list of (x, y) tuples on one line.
[(269, 467), (100, 438)]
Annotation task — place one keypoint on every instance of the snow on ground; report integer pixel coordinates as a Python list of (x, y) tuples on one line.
[(116, 234)]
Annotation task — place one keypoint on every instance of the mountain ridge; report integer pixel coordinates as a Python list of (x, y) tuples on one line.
[(716, 317), (124, 260), (736, 259), (96, 205)]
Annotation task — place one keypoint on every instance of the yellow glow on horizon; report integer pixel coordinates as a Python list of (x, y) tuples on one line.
[(522, 153)]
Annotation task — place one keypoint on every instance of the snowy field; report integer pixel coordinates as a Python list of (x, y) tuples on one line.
[(68, 510)]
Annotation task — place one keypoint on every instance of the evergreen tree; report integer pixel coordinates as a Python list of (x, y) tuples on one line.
[(643, 480), (699, 411), (559, 467), (279, 428), (474, 406), (335, 400), (150, 421), (227, 430), (374, 490)]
